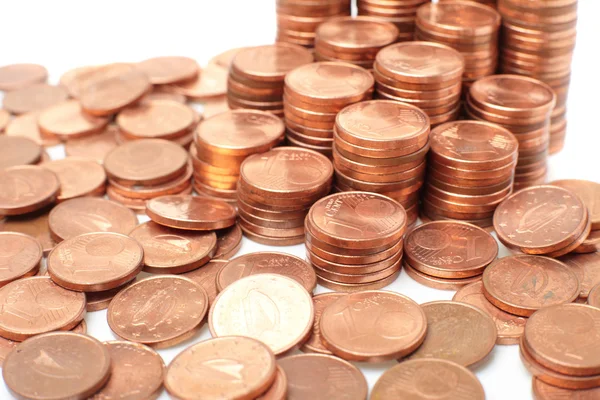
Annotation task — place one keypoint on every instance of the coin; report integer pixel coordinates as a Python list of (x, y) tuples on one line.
[(96, 301), (32, 224), (206, 276), (587, 269), (94, 147), (588, 192), (212, 82), (24, 189), (78, 177), (591, 244), (16, 151), (278, 389), (544, 391), (26, 126), (594, 296), (4, 119), (214, 106), (193, 213), (229, 242), (33, 98), (164, 119), (67, 120), (171, 69), (315, 344), (436, 282), (20, 256), (17, 76), (142, 193)]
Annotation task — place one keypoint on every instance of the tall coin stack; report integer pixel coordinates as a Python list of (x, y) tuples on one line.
[(355, 40), (257, 74), (297, 20), (468, 27), (313, 96), (380, 146), (222, 143), (471, 171), (490, 3), (354, 240), (538, 39), (401, 13), (424, 74), (523, 106), (276, 190)]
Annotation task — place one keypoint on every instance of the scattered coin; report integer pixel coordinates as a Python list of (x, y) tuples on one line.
[(96, 301), (94, 147), (229, 242), (587, 269), (4, 119), (16, 151), (164, 70), (206, 276), (439, 283), (191, 212), (67, 120), (589, 193), (594, 297), (314, 344), (34, 98), (211, 83), (214, 106), (32, 224), (26, 125), (78, 177), (544, 391), (25, 189), (20, 256), (17, 76)]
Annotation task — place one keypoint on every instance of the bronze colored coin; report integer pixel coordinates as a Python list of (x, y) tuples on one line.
[(173, 251), (587, 269), (143, 193), (74, 79), (24, 189), (229, 242), (67, 120), (78, 177), (96, 301), (214, 106), (252, 299), (222, 368), (438, 283), (95, 262), (160, 93), (87, 214), (26, 125), (34, 98), (20, 256), (510, 327), (206, 276), (4, 119), (271, 62), (156, 119), (594, 296), (172, 69), (224, 59), (212, 82), (159, 311), (545, 391), (272, 241), (278, 389), (459, 18), (355, 35), (588, 192), (17, 76), (323, 377), (373, 326), (355, 273), (16, 151), (31, 224), (428, 378), (94, 147), (357, 287), (191, 212), (523, 284), (315, 344)]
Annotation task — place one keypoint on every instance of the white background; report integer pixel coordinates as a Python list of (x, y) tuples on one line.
[(64, 34)]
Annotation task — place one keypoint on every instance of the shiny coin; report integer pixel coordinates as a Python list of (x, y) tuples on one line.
[(16, 76), (67, 120), (34, 98), (20, 256), (25, 189), (156, 119), (315, 344), (193, 213), (78, 177), (588, 192)]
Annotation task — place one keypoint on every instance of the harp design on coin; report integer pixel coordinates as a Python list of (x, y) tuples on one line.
[(155, 311), (531, 281), (20, 189), (55, 364), (223, 370), (540, 216), (261, 314), (170, 243)]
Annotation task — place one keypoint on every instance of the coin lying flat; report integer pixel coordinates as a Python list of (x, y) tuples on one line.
[(544, 391), (32, 224), (94, 147), (191, 212), (587, 269), (16, 76), (26, 125), (229, 242), (20, 256), (25, 189), (96, 301), (34, 98), (67, 120), (78, 177), (15, 151), (172, 69), (206, 276)]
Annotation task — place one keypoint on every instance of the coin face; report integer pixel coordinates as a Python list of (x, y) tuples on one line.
[(156, 119), (17, 151), (67, 120), (270, 62), (33, 98), (314, 344), (589, 193), (78, 177), (191, 212), (20, 256), (171, 69), (16, 76), (206, 276), (32, 224), (471, 18), (25, 189), (229, 241), (587, 269), (94, 147), (356, 33)]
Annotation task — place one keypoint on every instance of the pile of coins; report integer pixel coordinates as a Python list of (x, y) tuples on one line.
[(490, 3), (538, 41), (29, 152), (380, 146), (257, 74), (355, 40), (354, 240), (223, 142), (401, 13), (275, 191), (313, 96), (523, 106), (471, 171), (297, 20), (425, 74)]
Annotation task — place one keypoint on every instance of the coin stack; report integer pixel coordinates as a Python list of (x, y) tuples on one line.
[(401, 13), (380, 146), (424, 74), (221, 144), (538, 41), (354, 240), (257, 74), (313, 96), (276, 190), (355, 40), (523, 106), (468, 27), (471, 171), (297, 20), (490, 3)]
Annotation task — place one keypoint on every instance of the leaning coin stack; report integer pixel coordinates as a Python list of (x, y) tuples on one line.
[(401, 13), (355, 40), (523, 106), (221, 144), (471, 171), (297, 20), (313, 96), (276, 190), (380, 146), (424, 74), (538, 41), (468, 27), (354, 240)]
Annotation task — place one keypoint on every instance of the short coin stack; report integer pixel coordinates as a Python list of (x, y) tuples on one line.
[(522, 105), (276, 190), (401, 13), (314, 94), (354, 240), (425, 74), (355, 40), (471, 171), (257, 74), (380, 146)]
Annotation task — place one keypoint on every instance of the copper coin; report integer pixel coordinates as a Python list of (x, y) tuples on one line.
[(229, 242), (594, 296), (278, 389), (173, 251), (94, 147), (428, 378), (24, 189), (224, 59), (214, 106), (159, 93), (78, 177), (212, 82), (175, 186), (67, 120), (4, 119), (17, 76), (272, 241), (87, 214), (461, 19), (436, 282), (96, 301), (33, 98), (357, 287), (544, 391), (523, 284), (74, 79), (32, 224), (322, 377), (159, 311), (171, 69), (253, 299), (355, 34), (156, 119), (222, 368), (20, 256), (589, 193), (206, 276), (26, 125), (15, 151), (587, 269), (591, 244), (189, 212), (315, 344), (271, 62)]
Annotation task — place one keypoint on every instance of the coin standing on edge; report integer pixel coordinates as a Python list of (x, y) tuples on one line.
[(20, 256), (191, 212)]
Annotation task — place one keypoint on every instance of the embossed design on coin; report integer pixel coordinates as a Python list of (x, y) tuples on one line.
[(20, 256), (314, 344), (25, 189), (191, 212)]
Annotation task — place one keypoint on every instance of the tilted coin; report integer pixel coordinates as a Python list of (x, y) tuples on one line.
[(229, 242), (587, 269), (24, 189), (77, 177), (20, 256), (314, 344), (191, 212)]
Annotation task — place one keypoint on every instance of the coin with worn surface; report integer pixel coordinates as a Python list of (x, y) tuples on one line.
[(25, 189), (428, 379), (33, 98), (159, 311), (32, 224), (169, 69), (94, 147), (173, 251), (20, 256), (156, 119), (15, 151), (594, 297), (212, 82), (588, 192), (314, 344), (231, 367), (274, 309), (67, 120), (229, 242), (17, 76), (191, 212), (587, 269), (523, 284), (78, 177), (545, 391)]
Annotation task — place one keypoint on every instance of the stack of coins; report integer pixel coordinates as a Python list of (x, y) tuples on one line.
[(490, 3), (221, 144), (522, 105), (257, 74), (401, 13), (354, 240), (471, 171), (424, 74), (538, 41), (355, 40), (380, 146), (297, 20), (276, 190), (314, 94), (468, 27)]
